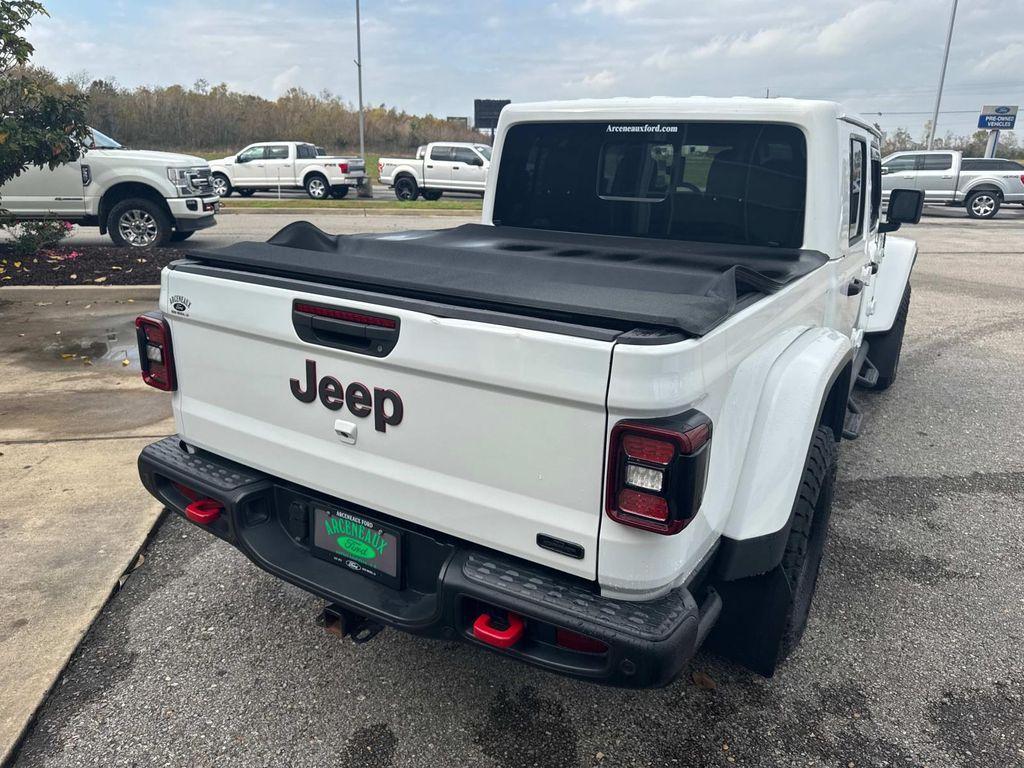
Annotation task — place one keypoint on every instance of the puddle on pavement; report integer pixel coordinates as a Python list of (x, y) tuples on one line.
[(112, 344)]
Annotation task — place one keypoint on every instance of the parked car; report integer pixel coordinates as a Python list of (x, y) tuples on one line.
[(140, 198), (981, 185), (269, 165), (592, 432), (441, 166)]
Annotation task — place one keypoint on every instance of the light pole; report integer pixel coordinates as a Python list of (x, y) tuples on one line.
[(365, 185), (942, 75)]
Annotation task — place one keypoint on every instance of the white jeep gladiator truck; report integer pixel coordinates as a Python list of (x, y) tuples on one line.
[(269, 165), (590, 433), (139, 197), (439, 167), (945, 177)]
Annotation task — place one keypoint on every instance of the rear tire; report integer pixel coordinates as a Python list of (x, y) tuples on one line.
[(406, 188), (139, 223), (764, 617), (339, 192), (432, 194), (983, 204), (884, 349), (246, 192), (317, 187)]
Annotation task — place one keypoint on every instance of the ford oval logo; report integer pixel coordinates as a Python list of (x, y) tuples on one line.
[(179, 307), (1002, 110)]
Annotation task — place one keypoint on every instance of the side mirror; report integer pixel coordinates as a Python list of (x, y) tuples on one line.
[(905, 206), (886, 170), (239, 159), (476, 161)]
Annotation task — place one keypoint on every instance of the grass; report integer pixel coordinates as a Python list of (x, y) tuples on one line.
[(386, 205)]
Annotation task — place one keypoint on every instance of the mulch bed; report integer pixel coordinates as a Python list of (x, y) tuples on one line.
[(85, 265)]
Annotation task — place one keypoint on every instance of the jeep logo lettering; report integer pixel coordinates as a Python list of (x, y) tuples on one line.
[(385, 404)]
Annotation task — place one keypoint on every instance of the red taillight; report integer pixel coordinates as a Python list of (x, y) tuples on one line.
[(380, 168), (343, 167), (156, 358), (656, 472), (1022, 178)]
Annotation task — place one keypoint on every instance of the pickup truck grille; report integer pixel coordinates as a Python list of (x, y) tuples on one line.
[(200, 181)]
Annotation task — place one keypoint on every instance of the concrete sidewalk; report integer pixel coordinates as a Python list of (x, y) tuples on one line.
[(73, 515)]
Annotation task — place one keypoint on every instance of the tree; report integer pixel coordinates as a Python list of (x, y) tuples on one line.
[(42, 122)]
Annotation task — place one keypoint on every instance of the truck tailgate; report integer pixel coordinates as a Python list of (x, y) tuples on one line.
[(502, 430)]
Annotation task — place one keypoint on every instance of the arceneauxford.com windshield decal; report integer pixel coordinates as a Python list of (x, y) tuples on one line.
[(645, 128)]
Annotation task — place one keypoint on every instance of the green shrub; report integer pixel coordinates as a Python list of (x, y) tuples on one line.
[(30, 237)]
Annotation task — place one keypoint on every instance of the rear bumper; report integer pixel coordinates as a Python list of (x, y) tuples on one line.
[(446, 583)]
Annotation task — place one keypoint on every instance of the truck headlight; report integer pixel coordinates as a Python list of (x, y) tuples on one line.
[(185, 180)]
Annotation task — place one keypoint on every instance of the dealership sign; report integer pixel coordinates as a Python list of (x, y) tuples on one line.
[(997, 118)]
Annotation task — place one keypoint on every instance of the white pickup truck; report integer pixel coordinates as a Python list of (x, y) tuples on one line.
[(141, 198), (590, 433), (439, 167), (270, 165)]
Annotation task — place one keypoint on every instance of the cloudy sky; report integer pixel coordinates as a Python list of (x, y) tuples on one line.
[(423, 56)]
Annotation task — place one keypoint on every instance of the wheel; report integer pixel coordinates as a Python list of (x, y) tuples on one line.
[(764, 617), (406, 188), (179, 237), (221, 185), (432, 194), (139, 223), (317, 187), (884, 348), (339, 192), (246, 192), (982, 204)]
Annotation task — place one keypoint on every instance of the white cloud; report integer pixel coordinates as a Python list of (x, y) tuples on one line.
[(610, 7)]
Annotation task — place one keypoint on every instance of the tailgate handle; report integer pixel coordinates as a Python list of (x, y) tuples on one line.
[(349, 329)]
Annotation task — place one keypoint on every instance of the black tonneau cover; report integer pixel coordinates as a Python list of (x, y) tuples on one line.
[(622, 282)]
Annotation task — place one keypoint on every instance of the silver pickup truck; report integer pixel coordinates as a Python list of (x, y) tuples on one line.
[(981, 185)]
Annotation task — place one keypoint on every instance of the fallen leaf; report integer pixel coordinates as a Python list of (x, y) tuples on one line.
[(66, 356), (100, 280), (17, 264), (126, 361), (704, 680), (73, 277), (114, 266)]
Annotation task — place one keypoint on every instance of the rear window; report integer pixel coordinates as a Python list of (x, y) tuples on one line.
[(717, 182), (935, 162)]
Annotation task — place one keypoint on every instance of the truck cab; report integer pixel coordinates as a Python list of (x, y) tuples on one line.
[(593, 432)]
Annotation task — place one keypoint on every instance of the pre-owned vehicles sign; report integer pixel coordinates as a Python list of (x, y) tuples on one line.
[(999, 117)]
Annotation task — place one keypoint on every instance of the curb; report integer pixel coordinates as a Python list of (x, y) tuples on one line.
[(369, 211), (106, 291)]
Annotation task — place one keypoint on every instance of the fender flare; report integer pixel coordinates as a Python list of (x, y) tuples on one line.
[(891, 282), (808, 385)]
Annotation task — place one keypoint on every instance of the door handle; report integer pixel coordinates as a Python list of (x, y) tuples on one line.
[(430, 166), (854, 287), (947, 177), (455, 167)]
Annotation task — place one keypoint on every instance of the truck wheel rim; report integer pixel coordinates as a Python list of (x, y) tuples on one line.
[(219, 185), (138, 228), (316, 188), (983, 205)]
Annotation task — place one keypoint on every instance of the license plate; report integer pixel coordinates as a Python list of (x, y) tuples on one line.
[(361, 545)]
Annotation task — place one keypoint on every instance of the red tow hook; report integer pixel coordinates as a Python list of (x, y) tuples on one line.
[(499, 637), (203, 511)]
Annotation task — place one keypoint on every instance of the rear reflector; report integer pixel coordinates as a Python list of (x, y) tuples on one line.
[(574, 641), (156, 357)]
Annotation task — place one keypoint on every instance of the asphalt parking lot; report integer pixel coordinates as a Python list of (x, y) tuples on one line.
[(912, 656)]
